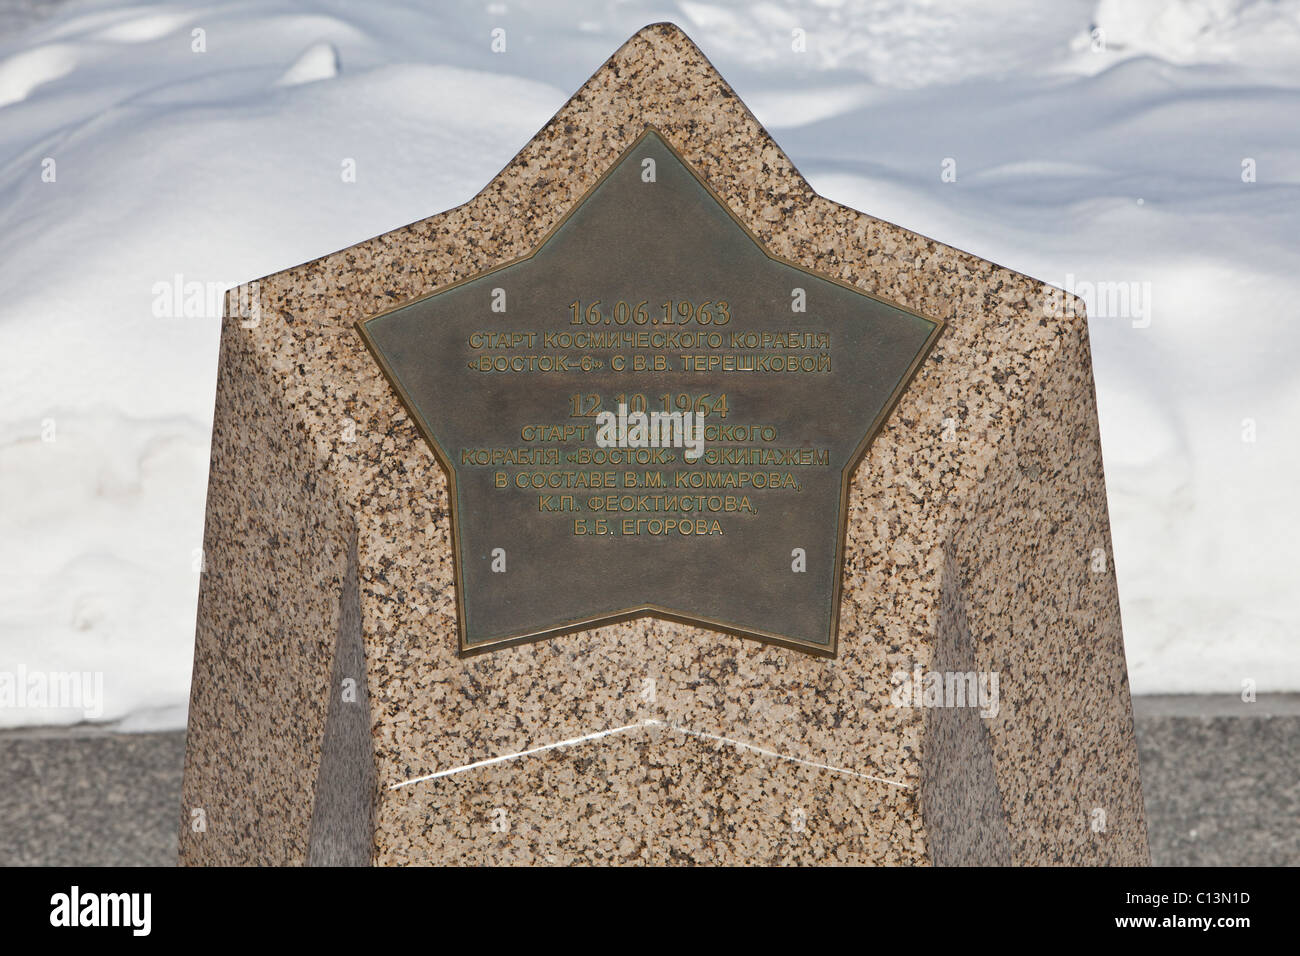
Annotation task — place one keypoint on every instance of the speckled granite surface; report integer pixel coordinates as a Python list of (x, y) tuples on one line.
[(977, 523)]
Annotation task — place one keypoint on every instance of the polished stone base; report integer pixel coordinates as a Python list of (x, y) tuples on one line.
[(1219, 778)]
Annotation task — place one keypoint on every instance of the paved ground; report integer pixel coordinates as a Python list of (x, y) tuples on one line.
[(81, 797), (1221, 779)]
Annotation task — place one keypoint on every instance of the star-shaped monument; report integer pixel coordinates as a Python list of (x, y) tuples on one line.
[(650, 414)]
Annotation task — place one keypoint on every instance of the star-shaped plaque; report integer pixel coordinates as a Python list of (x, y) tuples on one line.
[(649, 414)]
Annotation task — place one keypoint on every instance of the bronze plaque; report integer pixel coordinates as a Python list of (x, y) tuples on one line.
[(649, 414)]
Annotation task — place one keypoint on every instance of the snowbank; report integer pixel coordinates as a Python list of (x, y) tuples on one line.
[(148, 151)]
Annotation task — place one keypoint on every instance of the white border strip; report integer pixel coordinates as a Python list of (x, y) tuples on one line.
[(780, 756), (601, 734), (523, 753)]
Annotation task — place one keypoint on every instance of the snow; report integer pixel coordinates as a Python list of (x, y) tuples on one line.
[(1098, 146), (320, 61)]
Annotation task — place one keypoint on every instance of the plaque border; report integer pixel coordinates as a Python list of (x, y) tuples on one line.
[(828, 650)]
